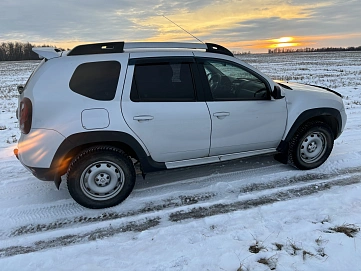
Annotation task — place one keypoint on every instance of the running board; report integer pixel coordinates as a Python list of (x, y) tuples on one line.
[(215, 159)]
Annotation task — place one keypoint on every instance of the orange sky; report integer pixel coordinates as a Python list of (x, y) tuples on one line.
[(240, 25)]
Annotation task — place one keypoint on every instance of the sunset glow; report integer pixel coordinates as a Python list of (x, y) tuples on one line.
[(238, 25)]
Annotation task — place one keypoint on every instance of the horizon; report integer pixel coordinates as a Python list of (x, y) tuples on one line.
[(242, 26)]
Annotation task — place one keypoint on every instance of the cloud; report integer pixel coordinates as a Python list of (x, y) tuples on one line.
[(228, 22)]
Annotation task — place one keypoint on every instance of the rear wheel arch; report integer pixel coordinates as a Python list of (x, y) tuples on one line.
[(77, 143), (101, 177)]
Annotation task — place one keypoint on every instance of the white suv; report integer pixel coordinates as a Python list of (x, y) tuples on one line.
[(92, 112)]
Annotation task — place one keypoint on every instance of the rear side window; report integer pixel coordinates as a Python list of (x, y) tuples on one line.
[(96, 80), (162, 82)]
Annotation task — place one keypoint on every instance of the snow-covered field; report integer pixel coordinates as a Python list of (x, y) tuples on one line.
[(249, 214)]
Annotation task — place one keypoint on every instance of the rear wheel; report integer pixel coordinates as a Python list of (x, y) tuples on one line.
[(311, 145), (101, 177)]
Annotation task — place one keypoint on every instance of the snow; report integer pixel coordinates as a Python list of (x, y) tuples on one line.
[(201, 218)]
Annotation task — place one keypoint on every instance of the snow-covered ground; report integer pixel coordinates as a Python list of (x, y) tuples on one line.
[(249, 214)]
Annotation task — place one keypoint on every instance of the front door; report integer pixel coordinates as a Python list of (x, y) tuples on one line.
[(244, 117)]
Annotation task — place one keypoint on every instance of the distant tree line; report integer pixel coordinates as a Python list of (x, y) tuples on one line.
[(324, 49), (15, 51), (241, 53)]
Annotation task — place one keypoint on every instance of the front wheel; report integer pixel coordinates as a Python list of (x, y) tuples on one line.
[(101, 177), (311, 145)]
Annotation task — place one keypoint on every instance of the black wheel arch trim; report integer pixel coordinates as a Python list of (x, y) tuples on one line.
[(306, 116), (102, 138)]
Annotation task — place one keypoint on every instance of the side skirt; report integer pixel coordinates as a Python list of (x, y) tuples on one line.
[(217, 158)]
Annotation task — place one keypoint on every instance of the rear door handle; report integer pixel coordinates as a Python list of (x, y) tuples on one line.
[(143, 118), (221, 115)]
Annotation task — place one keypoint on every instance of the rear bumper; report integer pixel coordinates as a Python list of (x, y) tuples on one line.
[(43, 174)]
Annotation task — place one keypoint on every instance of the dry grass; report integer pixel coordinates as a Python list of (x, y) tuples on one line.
[(256, 248), (271, 262), (278, 246), (321, 252), (293, 248), (349, 229), (319, 241), (242, 268), (306, 253)]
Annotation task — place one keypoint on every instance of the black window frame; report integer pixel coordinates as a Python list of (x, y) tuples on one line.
[(208, 93), (197, 85), (80, 76)]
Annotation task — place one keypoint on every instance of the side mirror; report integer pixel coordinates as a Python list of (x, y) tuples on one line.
[(277, 93)]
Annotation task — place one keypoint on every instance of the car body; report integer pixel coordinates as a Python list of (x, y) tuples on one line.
[(90, 113)]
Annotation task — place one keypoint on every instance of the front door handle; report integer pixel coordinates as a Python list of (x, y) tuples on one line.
[(143, 118), (221, 115)]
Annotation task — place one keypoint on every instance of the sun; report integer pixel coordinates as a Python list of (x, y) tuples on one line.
[(283, 42), (285, 39)]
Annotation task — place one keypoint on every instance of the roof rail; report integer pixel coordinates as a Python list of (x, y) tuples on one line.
[(162, 45), (97, 48), (215, 48), (118, 47)]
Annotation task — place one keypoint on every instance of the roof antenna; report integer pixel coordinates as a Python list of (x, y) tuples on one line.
[(183, 29)]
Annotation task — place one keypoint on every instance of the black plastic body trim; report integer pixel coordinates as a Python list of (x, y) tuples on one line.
[(98, 48), (304, 117), (68, 147), (330, 90), (71, 146), (218, 49), (43, 174), (118, 47)]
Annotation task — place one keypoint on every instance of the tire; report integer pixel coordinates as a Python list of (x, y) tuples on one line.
[(101, 177), (311, 145)]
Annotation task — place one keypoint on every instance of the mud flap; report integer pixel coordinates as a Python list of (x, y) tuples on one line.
[(57, 181), (281, 157)]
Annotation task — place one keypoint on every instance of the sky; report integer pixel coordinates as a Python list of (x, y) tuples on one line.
[(241, 25)]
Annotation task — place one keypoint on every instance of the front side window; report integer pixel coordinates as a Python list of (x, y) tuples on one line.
[(96, 80), (230, 82), (162, 82)]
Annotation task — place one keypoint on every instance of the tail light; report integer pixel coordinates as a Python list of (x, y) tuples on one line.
[(26, 114)]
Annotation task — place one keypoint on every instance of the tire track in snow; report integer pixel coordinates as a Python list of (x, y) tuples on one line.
[(169, 202), (201, 212), (194, 213), (70, 239), (68, 208)]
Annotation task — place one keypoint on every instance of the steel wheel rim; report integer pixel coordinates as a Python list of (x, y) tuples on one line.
[(313, 147), (102, 180)]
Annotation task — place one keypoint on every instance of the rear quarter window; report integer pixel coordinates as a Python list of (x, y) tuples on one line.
[(96, 80)]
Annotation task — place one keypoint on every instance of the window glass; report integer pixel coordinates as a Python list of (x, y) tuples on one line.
[(230, 82), (159, 82), (96, 80)]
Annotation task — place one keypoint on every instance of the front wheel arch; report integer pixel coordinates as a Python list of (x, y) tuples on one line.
[(311, 145), (329, 116)]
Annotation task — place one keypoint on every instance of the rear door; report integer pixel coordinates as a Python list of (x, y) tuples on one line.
[(165, 108)]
